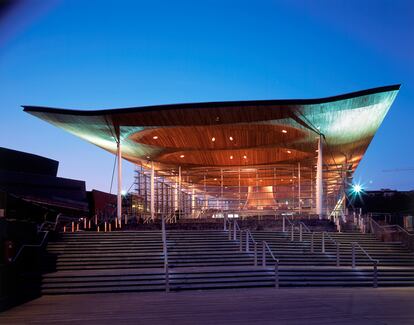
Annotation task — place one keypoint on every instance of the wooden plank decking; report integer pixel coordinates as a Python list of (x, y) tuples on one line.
[(242, 306)]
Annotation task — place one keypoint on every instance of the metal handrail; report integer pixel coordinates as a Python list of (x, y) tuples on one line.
[(375, 262), (409, 238), (325, 234), (249, 237), (235, 228), (305, 226), (292, 227), (265, 247), (226, 225), (301, 227), (42, 243)]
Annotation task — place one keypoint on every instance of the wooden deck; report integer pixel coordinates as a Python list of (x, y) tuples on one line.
[(242, 306)]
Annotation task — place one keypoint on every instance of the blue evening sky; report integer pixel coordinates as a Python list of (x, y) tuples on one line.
[(109, 54)]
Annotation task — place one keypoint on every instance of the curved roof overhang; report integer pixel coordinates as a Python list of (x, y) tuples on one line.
[(246, 133)]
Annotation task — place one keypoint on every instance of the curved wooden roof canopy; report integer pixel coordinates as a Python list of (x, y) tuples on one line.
[(245, 133)]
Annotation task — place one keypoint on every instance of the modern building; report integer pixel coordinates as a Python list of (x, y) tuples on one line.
[(30, 187), (236, 158)]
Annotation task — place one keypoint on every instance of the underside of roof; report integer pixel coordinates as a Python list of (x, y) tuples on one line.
[(234, 134)]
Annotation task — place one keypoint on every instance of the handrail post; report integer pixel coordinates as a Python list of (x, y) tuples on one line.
[(292, 238), (167, 278), (337, 255), (276, 275), (375, 275), (255, 254), (353, 255), (165, 251), (234, 230), (323, 242), (312, 247), (241, 241), (263, 254), (224, 224), (283, 224), (247, 241), (300, 233)]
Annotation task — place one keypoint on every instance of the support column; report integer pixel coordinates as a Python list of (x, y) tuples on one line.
[(205, 194), (119, 193), (152, 189), (319, 180), (239, 207), (179, 193)]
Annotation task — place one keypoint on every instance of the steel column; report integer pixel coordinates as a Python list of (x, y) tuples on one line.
[(119, 193)]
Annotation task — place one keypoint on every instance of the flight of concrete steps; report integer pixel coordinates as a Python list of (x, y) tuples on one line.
[(91, 262), (395, 268)]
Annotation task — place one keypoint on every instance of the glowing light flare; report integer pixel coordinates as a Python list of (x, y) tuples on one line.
[(357, 188)]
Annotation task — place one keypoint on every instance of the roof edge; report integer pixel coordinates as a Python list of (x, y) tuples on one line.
[(370, 91)]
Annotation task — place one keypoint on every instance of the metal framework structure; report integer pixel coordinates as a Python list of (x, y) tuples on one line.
[(236, 158)]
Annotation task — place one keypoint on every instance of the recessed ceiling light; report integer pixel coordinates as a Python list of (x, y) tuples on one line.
[(148, 157), (213, 139), (289, 151), (284, 131), (231, 157), (244, 157), (155, 137), (215, 179), (182, 156), (231, 138)]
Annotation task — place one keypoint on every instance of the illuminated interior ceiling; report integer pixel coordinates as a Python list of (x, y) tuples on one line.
[(236, 134)]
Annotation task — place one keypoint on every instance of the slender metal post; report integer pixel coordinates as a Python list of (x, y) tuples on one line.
[(165, 252), (353, 256), (234, 230), (241, 240), (224, 224), (263, 255), (300, 233), (255, 254), (167, 277), (312, 246), (276, 275), (119, 194), (323, 242), (229, 231), (292, 235), (247, 242), (338, 262), (375, 274), (283, 224)]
